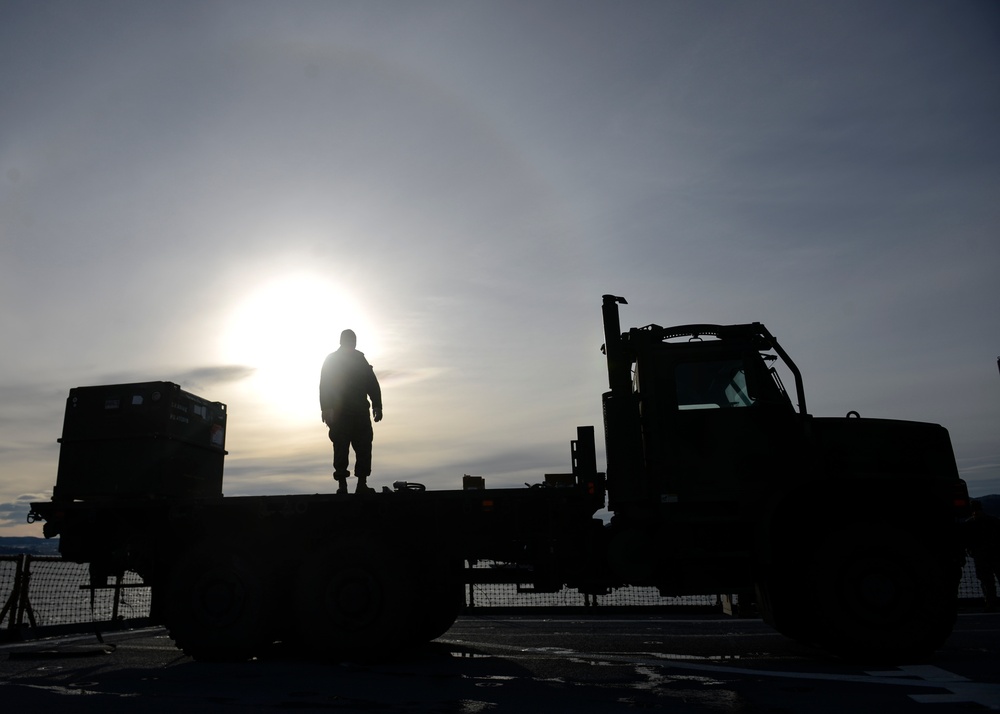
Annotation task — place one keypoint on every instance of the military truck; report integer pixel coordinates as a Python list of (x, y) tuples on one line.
[(842, 531)]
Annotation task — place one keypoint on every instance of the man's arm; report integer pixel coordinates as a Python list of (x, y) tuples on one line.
[(375, 393)]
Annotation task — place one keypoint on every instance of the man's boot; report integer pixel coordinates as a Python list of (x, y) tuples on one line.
[(363, 487), (341, 484)]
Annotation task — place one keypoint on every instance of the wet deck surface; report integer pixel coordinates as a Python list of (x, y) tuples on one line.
[(516, 664)]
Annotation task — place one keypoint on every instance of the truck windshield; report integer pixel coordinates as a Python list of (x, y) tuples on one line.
[(719, 384)]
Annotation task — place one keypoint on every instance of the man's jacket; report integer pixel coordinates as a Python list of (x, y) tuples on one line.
[(346, 383)]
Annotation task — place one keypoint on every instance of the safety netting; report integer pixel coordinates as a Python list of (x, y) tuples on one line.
[(46, 591)]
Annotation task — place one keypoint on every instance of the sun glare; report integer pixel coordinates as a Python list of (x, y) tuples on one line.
[(283, 330)]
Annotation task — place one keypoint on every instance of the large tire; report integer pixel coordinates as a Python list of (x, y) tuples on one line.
[(441, 599), (883, 594), (783, 602), (216, 601), (355, 601)]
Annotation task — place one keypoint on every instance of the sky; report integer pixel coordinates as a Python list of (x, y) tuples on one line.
[(209, 192)]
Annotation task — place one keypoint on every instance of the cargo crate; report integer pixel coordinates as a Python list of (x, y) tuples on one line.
[(144, 409), (145, 439)]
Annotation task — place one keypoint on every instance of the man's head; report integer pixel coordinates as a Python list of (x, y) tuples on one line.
[(348, 339)]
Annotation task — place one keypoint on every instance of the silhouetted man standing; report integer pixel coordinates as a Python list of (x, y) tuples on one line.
[(346, 383)]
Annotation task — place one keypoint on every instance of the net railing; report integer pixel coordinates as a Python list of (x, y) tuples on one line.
[(506, 595), (40, 594)]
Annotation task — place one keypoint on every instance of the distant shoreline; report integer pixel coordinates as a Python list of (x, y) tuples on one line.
[(28, 545)]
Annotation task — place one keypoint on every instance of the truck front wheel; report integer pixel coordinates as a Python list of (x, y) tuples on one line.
[(783, 602), (883, 594)]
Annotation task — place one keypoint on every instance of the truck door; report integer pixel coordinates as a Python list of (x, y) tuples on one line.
[(711, 423)]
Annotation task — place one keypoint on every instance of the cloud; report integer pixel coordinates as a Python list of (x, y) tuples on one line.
[(205, 377), (982, 473), (190, 379), (20, 401), (16, 512), (397, 377)]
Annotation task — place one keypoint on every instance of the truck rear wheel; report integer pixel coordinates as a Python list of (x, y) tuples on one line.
[(883, 594), (355, 600), (216, 602)]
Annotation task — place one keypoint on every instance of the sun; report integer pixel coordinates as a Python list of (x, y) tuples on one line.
[(283, 330)]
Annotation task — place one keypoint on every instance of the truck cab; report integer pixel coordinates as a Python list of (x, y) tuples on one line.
[(695, 413), (719, 478)]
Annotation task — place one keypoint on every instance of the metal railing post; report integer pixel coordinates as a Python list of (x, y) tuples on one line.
[(24, 603), (117, 598), (10, 606)]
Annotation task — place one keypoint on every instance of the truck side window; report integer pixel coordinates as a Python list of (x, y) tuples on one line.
[(718, 384)]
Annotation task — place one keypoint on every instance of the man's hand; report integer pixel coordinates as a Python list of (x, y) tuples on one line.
[(327, 416), (377, 414)]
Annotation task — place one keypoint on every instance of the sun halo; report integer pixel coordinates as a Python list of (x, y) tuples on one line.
[(283, 330)]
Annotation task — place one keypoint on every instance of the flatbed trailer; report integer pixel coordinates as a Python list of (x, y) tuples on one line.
[(374, 573)]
